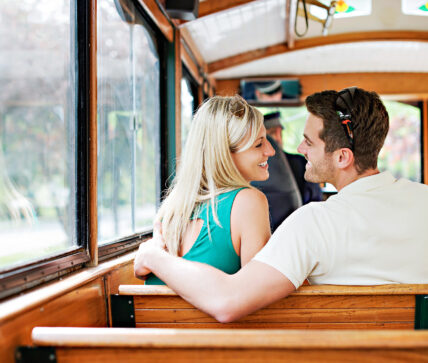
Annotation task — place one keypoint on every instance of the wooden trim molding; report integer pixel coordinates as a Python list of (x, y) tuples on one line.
[(208, 7), (187, 39), (227, 338), (335, 290), (18, 305), (190, 64), (419, 36), (411, 85), (159, 18)]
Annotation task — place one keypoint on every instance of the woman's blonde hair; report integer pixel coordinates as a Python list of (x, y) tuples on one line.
[(220, 127)]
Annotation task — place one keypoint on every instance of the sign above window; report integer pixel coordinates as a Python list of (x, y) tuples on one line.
[(345, 9), (414, 7), (271, 91)]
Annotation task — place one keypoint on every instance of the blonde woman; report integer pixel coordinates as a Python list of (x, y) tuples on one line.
[(211, 213)]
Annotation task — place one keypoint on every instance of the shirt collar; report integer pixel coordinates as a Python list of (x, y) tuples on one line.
[(369, 183)]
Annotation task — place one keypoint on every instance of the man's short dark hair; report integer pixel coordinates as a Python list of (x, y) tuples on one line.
[(370, 122)]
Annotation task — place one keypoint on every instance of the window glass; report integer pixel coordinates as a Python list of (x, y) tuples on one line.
[(37, 130), (187, 107), (293, 119), (128, 122), (401, 153)]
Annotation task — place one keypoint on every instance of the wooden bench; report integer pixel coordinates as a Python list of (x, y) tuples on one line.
[(310, 307), (229, 345)]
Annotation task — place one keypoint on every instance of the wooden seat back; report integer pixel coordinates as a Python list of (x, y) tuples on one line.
[(208, 345), (310, 307)]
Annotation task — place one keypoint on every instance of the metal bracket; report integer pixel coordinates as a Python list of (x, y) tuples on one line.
[(35, 354), (421, 312), (122, 311)]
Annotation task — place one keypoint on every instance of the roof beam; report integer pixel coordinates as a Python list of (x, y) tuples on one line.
[(281, 48), (213, 6)]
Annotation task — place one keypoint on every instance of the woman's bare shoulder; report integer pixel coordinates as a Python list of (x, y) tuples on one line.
[(248, 199)]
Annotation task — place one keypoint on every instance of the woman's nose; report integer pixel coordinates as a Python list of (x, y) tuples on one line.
[(269, 151)]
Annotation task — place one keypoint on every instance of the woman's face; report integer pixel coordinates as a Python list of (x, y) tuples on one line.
[(253, 162)]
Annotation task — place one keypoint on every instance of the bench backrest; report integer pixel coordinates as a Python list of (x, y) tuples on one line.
[(184, 345), (310, 307)]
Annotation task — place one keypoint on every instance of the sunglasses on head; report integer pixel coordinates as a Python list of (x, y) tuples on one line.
[(345, 102)]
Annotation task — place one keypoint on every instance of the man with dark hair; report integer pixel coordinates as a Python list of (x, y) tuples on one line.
[(286, 189), (373, 231)]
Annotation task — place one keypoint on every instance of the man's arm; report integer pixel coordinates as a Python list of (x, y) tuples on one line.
[(225, 297)]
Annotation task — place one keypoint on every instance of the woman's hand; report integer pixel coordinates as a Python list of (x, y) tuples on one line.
[(146, 249)]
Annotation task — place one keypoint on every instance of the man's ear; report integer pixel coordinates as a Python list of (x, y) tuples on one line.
[(344, 158)]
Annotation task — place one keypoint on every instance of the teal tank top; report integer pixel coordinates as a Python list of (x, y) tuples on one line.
[(217, 251)]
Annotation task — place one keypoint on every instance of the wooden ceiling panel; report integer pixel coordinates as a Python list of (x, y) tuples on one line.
[(315, 42), (213, 6)]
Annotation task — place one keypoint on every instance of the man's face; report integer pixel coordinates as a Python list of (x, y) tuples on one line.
[(320, 166)]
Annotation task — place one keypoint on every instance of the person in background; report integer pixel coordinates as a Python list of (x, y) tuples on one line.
[(268, 91), (286, 189), (211, 214)]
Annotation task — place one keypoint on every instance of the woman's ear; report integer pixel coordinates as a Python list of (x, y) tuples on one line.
[(344, 158)]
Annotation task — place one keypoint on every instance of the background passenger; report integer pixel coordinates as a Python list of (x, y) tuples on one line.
[(286, 189), (211, 213)]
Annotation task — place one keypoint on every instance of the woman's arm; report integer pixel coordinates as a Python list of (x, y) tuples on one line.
[(250, 226)]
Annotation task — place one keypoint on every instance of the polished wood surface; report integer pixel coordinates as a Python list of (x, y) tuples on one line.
[(310, 307), (306, 43), (308, 316), (208, 7), (15, 307), (104, 355), (160, 345), (79, 300), (296, 302), (402, 85), (392, 289), (245, 338), (190, 65), (85, 306), (193, 49), (162, 22)]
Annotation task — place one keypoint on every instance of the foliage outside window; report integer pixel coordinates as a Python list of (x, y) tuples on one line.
[(37, 130), (128, 122), (401, 153), (187, 107)]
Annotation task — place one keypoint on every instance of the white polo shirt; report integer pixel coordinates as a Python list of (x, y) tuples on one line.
[(374, 231)]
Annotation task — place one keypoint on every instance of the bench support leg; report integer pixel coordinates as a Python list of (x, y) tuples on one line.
[(122, 311), (35, 354), (421, 312)]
